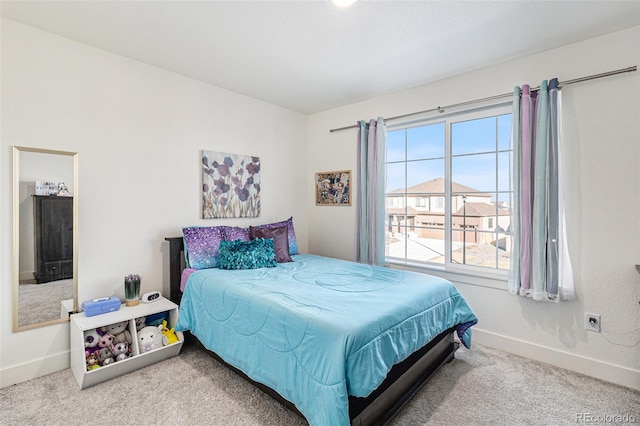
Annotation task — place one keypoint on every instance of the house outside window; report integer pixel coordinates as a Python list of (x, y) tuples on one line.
[(449, 192)]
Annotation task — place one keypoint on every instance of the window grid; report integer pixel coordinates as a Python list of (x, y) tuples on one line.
[(415, 222)]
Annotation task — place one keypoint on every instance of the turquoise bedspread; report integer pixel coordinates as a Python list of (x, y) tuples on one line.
[(319, 329)]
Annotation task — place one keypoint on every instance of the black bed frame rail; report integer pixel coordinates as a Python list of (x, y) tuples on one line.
[(176, 265), (402, 382)]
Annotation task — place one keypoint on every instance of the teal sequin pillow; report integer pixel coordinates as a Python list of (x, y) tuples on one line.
[(252, 254)]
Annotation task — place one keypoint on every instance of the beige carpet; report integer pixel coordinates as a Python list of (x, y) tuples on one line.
[(41, 302), (481, 386)]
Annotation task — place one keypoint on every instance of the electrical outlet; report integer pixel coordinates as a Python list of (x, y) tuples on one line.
[(592, 322)]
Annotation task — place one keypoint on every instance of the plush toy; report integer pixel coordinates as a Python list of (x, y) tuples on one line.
[(141, 323), (92, 362), (168, 336), (105, 356), (121, 351), (150, 338), (119, 332), (91, 338), (106, 341)]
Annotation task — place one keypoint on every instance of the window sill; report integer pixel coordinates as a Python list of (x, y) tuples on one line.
[(492, 279)]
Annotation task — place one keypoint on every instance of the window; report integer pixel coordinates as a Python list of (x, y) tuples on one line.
[(456, 169)]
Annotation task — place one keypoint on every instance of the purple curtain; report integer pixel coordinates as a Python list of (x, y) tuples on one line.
[(540, 264)]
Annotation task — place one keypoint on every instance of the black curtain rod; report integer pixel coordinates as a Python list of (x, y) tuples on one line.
[(504, 95)]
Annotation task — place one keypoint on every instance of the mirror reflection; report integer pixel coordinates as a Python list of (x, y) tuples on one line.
[(44, 217)]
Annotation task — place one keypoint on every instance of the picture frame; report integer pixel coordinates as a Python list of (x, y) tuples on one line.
[(230, 185), (333, 188)]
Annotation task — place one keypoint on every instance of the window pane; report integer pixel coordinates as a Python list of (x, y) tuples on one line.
[(472, 136), (395, 235), (396, 145), (475, 171), (478, 251), (395, 176), (396, 221), (395, 204), (425, 203), (504, 132), (425, 142), (394, 246), (426, 244), (477, 248), (504, 171), (420, 172), (504, 250)]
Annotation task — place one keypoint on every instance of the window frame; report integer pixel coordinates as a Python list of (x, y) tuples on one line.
[(470, 274)]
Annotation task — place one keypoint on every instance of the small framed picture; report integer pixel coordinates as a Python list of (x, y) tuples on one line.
[(333, 188)]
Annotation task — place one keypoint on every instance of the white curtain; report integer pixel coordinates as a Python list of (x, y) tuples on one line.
[(540, 264), (371, 192)]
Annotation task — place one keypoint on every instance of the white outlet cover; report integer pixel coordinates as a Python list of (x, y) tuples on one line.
[(588, 325)]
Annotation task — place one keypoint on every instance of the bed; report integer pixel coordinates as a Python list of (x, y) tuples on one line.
[(324, 336)]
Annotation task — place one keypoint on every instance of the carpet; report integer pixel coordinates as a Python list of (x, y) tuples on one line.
[(482, 386), (41, 302)]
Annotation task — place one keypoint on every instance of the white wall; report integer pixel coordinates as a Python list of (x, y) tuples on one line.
[(139, 131), (602, 131)]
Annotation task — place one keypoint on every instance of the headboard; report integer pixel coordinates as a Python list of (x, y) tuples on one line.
[(176, 265)]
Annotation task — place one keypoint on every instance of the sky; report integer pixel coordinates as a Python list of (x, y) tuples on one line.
[(473, 154)]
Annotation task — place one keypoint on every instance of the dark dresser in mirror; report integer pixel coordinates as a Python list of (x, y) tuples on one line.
[(53, 234)]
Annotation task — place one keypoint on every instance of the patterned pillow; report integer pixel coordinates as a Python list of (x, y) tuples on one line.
[(280, 241), (232, 233), (201, 246), (291, 233), (252, 254)]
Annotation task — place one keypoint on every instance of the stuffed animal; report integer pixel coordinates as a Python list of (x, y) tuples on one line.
[(141, 323), (106, 341), (92, 362), (168, 336), (121, 351), (119, 332), (105, 356), (91, 338), (150, 338)]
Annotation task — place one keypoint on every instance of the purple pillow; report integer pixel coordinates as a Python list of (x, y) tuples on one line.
[(280, 241), (232, 233), (291, 233), (202, 246)]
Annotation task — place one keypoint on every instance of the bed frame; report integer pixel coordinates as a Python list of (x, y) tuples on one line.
[(402, 382)]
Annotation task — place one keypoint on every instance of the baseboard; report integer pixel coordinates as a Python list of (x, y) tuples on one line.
[(26, 276), (34, 369), (608, 372)]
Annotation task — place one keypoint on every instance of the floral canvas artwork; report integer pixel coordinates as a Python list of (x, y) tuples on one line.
[(333, 188), (230, 185)]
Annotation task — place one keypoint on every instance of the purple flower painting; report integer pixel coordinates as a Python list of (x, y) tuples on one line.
[(230, 185)]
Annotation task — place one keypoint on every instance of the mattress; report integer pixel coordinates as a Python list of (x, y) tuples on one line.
[(319, 329)]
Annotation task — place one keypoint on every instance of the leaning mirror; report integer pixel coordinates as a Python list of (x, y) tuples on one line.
[(45, 218)]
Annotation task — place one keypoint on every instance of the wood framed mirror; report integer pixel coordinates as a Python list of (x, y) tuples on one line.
[(45, 235)]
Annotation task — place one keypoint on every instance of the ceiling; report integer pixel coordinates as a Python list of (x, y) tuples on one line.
[(311, 56)]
